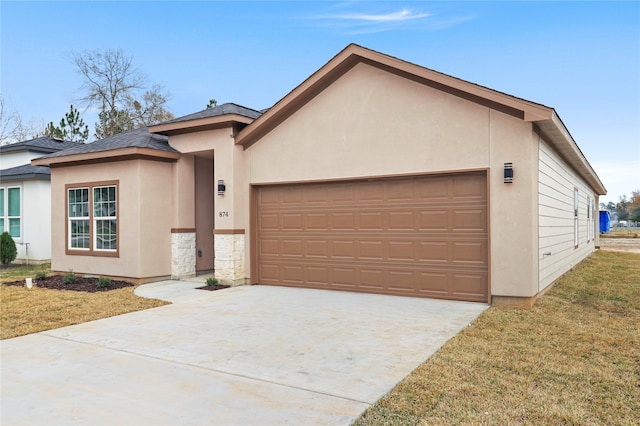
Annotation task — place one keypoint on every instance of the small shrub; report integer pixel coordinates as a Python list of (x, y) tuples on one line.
[(211, 281), (69, 277), (41, 275), (104, 282), (8, 250)]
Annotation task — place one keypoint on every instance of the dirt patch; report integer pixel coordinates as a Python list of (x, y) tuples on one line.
[(627, 245), (213, 287), (90, 285)]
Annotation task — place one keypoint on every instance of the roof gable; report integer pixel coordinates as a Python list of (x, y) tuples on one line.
[(544, 118), (354, 54)]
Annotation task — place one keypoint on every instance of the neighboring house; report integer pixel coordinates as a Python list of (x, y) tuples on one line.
[(25, 196), (374, 175)]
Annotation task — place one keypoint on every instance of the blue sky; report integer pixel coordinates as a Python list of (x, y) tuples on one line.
[(581, 58)]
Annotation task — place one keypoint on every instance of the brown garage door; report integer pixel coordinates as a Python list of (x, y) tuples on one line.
[(421, 236)]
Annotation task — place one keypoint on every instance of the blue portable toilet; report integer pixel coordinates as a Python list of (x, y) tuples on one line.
[(605, 221)]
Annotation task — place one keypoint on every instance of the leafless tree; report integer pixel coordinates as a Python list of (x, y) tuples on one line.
[(109, 78), (14, 129), (115, 86)]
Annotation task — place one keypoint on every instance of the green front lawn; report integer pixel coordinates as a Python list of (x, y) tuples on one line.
[(574, 358)]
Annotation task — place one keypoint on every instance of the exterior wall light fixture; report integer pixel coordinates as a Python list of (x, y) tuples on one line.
[(508, 172), (221, 187)]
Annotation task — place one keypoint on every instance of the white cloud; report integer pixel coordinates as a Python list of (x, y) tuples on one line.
[(403, 15), (355, 22)]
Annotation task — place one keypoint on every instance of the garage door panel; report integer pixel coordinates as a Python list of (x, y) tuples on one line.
[(344, 277), (371, 279), (434, 189), (317, 275), (317, 222), (292, 273), (469, 286), (434, 283), (317, 248), (344, 221), (269, 221), (402, 250), (270, 273), (469, 188), (371, 249), (344, 249), (401, 281), (399, 191), (371, 221), (292, 248), (342, 193), (291, 195), (401, 220), (468, 220), (316, 194), (292, 221), (420, 236), (433, 251), (433, 220), (370, 191), (469, 252), (269, 247)]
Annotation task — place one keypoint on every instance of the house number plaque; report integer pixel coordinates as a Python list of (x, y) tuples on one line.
[(223, 214)]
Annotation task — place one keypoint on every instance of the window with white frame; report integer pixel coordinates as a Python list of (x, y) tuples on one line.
[(104, 218), (92, 218), (11, 211), (576, 204)]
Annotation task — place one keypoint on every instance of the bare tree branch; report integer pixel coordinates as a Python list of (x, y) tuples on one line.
[(109, 76)]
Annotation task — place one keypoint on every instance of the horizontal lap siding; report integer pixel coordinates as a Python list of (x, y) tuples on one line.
[(422, 236), (556, 184)]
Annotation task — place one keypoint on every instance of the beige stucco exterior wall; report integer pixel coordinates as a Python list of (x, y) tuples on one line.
[(373, 123), (513, 208), (231, 210), (144, 218)]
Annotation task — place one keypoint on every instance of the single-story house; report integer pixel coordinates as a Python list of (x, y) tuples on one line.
[(374, 175), (25, 196)]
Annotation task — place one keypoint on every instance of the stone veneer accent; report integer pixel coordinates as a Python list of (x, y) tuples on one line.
[(183, 255), (229, 262)]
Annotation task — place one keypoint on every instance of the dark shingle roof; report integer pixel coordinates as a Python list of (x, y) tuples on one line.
[(138, 138), (228, 108), (26, 171), (42, 144)]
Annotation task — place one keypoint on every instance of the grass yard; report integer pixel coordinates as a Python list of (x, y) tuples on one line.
[(28, 311), (621, 233), (574, 358)]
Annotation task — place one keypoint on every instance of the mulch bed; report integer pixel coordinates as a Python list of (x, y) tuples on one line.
[(89, 285), (213, 287)]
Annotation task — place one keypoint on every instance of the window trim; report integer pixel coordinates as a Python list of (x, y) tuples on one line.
[(589, 227), (91, 251), (576, 215), (6, 218)]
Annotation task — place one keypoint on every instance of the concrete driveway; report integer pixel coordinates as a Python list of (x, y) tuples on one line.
[(246, 355)]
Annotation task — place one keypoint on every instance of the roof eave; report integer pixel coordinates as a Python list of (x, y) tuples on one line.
[(27, 176), (40, 150), (200, 124), (107, 156), (556, 133)]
